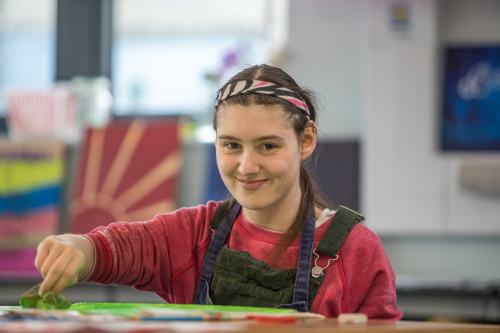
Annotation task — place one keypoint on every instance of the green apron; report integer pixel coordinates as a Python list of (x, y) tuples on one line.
[(236, 278)]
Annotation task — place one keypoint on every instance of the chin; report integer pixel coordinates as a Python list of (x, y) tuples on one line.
[(251, 203)]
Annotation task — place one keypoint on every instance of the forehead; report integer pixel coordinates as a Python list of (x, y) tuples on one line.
[(258, 119)]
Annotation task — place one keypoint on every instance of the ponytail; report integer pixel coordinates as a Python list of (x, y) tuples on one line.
[(309, 199)]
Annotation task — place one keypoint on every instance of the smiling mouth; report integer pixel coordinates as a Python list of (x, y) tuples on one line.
[(251, 184)]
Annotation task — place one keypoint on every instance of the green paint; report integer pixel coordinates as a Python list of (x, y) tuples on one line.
[(48, 301), (131, 309)]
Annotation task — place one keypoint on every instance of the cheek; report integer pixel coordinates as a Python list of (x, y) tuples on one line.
[(283, 168), (290, 167), (224, 163)]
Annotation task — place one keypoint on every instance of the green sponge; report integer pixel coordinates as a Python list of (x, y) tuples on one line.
[(48, 301)]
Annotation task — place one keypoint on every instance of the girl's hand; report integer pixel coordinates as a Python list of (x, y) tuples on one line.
[(61, 260)]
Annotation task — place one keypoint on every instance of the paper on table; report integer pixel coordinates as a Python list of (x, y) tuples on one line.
[(194, 312)]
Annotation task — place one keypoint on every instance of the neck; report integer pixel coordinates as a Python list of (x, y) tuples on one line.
[(272, 221)]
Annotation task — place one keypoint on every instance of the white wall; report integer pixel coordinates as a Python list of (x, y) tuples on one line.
[(383, 88), (411, 191), (404, 176), (404, 168), (465, 22), (324, 54)]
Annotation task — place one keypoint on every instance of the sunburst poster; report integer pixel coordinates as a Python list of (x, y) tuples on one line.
[(127, 172)]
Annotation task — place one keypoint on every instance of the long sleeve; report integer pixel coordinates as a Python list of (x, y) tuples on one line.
[(163, 255), (369, 279)]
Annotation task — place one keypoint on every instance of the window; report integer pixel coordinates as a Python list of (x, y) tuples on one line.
[(169, 56), (27, 45)]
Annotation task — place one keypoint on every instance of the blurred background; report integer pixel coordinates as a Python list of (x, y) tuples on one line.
[(105, 115)]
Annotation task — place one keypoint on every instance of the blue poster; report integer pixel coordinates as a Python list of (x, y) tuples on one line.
[(471, 102)]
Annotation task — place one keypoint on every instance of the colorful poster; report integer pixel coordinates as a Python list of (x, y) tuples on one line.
[(31, 181), (470, 119), (128, 171)]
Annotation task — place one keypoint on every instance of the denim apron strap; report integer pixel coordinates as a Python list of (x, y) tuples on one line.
[(300, 295), (218, 241)]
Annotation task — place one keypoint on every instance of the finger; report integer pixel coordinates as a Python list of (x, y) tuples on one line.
[(41, 254), (51, 270), (49, 260), (50, 279), (68, 278), (62, 273), (47, 252)]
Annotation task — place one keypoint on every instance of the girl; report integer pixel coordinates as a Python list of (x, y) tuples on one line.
[(274, 244)]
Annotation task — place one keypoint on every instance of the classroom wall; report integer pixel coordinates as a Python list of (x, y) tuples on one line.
[(334, 47), (324, 53)]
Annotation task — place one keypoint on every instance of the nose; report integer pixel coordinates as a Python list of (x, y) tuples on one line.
[(248, 162)]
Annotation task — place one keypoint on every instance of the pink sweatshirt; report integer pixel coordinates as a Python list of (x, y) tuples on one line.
[(165, 255)]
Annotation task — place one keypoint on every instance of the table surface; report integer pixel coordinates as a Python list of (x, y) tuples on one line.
[(301, 326)]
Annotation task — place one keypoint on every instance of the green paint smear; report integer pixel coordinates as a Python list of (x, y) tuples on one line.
[(132, 309), (48, 301)]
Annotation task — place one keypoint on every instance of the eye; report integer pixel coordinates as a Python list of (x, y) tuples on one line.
[(268, 146), (231, 145)]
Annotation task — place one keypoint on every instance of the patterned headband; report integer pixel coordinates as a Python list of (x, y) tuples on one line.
[(263, 87)]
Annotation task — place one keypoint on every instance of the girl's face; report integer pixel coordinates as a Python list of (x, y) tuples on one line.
[(259, 156)]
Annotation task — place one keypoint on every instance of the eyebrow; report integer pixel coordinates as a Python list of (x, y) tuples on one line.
[(259, 139)]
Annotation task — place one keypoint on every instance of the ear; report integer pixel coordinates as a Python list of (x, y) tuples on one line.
[(308, 140)]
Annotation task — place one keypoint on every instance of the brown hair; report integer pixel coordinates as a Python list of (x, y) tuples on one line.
[(311, 195)]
